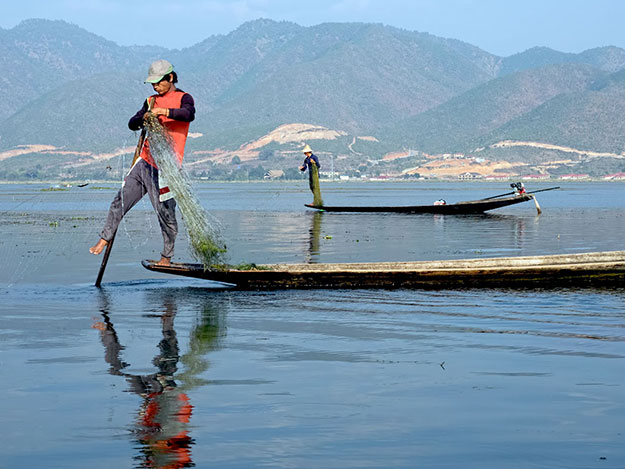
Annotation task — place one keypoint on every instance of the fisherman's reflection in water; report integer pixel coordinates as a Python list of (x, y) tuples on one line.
[(162, 423), (314, 234)]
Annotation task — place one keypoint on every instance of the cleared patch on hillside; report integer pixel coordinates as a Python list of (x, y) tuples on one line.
[(454, 167), (548, 146), (296, 133)]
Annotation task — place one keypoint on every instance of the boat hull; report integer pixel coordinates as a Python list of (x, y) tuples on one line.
[(599, 269), (460, 208)]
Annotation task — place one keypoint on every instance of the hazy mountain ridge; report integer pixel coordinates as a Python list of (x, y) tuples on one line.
[(74, 90), (38, 55), (586, 119), (354, 83), (609, 59), (471, 119)]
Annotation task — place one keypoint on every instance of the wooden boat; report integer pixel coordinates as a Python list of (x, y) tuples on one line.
[(459, 208), (596, 269)]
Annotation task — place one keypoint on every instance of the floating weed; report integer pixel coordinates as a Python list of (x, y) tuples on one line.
[(244, 266), (53, 189), (248, 267)]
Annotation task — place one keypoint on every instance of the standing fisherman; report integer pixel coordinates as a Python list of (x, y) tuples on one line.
[(312, 163), (175, 109)]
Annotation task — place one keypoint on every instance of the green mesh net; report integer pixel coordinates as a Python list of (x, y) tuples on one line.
[(206, 245), (314, 185)]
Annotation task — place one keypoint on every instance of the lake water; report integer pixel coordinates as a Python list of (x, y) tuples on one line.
[(159, 371)]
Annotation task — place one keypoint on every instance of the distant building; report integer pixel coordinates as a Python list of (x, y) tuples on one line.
[(469, 175), (574, 176), (274, 174), (536, 176), (615, 177)]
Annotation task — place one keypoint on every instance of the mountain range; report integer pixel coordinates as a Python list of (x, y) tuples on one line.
[(369, 90)]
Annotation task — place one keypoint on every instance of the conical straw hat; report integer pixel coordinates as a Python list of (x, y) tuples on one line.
[(307, 149)]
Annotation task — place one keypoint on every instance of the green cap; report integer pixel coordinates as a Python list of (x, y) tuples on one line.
[(158, 70)]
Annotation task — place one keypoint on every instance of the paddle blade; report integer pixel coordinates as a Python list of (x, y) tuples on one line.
[(538, 210)]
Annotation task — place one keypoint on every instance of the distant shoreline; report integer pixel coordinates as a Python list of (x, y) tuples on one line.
[(68, 184)]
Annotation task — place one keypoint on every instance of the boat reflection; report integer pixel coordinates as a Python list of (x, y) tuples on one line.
[(508, 231), (162, 423)]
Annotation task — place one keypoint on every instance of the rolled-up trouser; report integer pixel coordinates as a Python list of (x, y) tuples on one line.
[(143, 178)]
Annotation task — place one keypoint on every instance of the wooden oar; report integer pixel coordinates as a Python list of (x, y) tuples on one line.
[(543, 190), (105, 260), (514, 192), (537, 206)]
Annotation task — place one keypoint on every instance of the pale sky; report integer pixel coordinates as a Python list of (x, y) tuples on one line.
[(501, 27)]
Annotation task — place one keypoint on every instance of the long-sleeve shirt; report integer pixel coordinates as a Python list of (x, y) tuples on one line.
[(186, 112), (308, 159)]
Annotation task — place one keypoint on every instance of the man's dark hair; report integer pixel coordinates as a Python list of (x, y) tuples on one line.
[(173, 77)]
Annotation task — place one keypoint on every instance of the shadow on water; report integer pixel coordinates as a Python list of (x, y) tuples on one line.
[(162, 425)]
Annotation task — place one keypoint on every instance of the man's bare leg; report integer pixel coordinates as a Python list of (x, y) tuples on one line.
[(99, 247)]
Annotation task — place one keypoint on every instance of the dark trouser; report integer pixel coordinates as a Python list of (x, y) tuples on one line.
[(143, 178)]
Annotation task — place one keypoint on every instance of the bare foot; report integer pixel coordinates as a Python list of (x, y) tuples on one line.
[(99, 247), (165, 261)]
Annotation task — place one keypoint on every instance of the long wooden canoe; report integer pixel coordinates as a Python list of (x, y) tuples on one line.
[(459, 208), (595, 269)]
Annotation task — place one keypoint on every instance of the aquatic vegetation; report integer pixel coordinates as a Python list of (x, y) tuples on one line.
[(227, 267), (244, 266), (205, 248), (206, 245)]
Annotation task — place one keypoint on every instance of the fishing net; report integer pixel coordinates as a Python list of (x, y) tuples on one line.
[(206, 245), (314, 185)]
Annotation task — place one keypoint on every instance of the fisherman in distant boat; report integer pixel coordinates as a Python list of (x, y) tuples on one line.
[(519, 188), (175, 110), (311, 162)]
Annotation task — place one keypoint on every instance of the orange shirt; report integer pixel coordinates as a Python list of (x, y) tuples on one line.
[(177, 130)]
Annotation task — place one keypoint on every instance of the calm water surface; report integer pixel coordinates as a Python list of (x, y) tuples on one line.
[(156, 371)]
